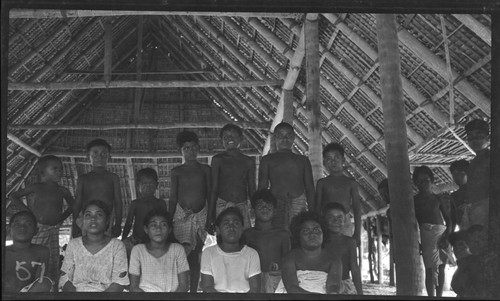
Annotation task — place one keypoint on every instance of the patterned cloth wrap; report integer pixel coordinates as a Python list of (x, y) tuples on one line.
[(188, 224), (221, 205), (287, 209), (48, 236), (347, 287), (311, 281), (432, 255), (270, 281)]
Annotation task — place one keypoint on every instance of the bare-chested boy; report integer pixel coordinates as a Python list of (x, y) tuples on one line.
[(340, 189), (430, 209), (477, 193), (344, 247), (288, 175), (147, 182), (99, 184), (458, 170), (233, 176), (47, 205), (271, 243), (189, 193), (25, 262)]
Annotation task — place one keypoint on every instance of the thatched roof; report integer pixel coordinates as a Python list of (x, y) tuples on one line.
[(238, 49)]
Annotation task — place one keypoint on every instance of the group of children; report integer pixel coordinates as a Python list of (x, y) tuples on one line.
[(164, 251)]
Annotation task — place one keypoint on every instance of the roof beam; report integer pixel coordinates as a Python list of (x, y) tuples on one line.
[(23, 145), (475, 26)]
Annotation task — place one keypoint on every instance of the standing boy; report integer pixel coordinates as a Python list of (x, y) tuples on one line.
[(99, 184), (25, 262), (271, 243), (339, 189), (344, 247), (189, 193), (47, 205), (147, 182), (458, 170), (233, 176), (289, 176)]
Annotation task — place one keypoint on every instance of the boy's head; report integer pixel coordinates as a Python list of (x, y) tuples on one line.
[(458, 240), (23, 226), (423, 178), (335, 217), (187, 142), (229, 226), (147, 180), (264, 203), (231, 136), (333, 157), (99, 152), (478, 132), (383, 190), (50, 168), (158, 224), (284, 136), (458, 171), (309, 230)]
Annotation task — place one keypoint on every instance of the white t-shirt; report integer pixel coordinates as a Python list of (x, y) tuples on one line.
[(231, 271), (158, 274)]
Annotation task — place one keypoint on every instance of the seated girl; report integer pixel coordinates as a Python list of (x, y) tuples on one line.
[(94, 262), (230, 266), (159, 265), (309, 268)]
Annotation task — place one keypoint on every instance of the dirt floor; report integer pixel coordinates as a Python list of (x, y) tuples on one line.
[(385, 289)]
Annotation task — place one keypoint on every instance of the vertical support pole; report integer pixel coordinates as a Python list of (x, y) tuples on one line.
[(448, 65), (313, 104), (370, 248), (288, 106), (405, 228), (379, 250), (131, 179), (108, 51), (391, 257)]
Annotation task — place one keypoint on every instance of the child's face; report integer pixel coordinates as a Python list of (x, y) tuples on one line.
[(311, 235), (459, 176), (423, 182), (333, 161), (99, 156), (94, 219), (157, 229), (284, 138), (147, 186), (335, 219), (231, 139), (264, 211), (23, 228), (189, 150), (230, 228), (53, 170), (478, 140)]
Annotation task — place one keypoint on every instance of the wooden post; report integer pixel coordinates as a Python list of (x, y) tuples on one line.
[(108, 51), (391, 256), (312, 93), (131, 179), (370, 248), (379, 250), (398, 165)]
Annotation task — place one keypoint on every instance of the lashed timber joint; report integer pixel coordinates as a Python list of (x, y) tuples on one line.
[(141, 84)]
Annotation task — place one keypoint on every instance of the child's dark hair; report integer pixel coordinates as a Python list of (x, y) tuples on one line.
[(147, 172), (334, 206), (231, 126), (265, 195), (101, 205), (458, 236), (384, 184), (283, 125), (422, 170), (459, 165), (231, 210), (27, 213), (477, 124), (98, 142), (300, 219), (186, 136), (43, 162), (333, 147)]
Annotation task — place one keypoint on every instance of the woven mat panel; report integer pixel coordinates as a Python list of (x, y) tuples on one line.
[(336, 78), (367, 165), (423, 124), (364, 25), (481, 80), (351, 55), (362, 102), (376, 118), (346, 119), (363, 136)]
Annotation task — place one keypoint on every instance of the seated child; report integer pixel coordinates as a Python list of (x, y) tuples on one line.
[(47, 205), (288, 175), (309, 267), (271, 243), (344, 247), (158, 265), (147, 180), (94, 262), (189, 193), (339, 189), (230, 266), (25, 262), (233, 176), (99, 184), (458, 170)]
